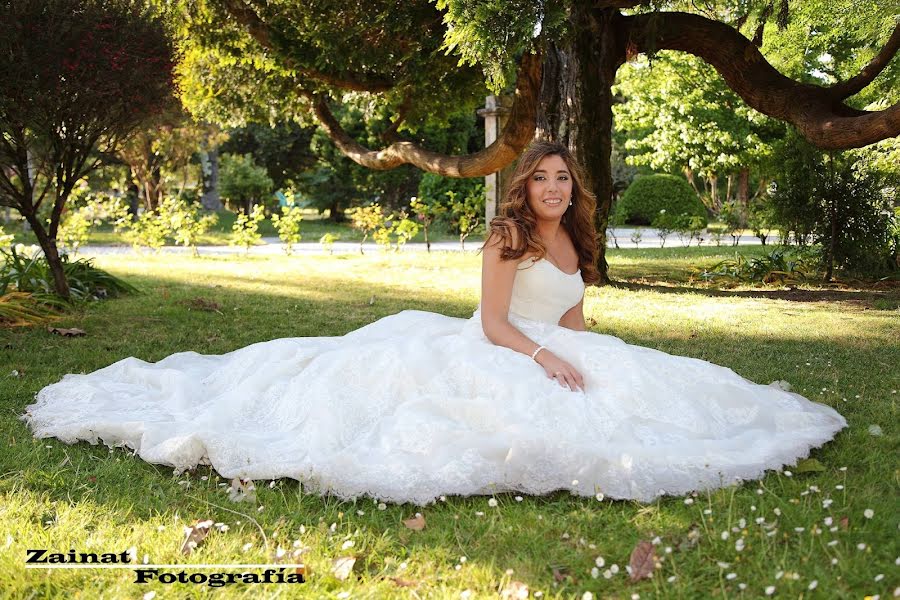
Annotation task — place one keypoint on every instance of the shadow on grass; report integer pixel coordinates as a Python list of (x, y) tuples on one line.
[(887, 298)]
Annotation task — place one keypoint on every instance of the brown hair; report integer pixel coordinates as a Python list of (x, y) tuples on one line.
[(578, 219)]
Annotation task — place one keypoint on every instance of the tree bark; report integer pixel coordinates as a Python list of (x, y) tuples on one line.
[(576, 103), (48, 245)]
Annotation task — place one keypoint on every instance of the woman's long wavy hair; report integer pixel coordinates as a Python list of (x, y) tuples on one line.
[(578, 219)]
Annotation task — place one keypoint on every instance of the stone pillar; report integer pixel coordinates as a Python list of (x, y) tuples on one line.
[(495, 115)]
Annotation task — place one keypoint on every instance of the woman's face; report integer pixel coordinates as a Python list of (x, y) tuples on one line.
[(549, 188)]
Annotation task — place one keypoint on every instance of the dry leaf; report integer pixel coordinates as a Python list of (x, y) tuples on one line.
[(845, 523), (400, 582), (515, 589), (242, 490), (73, 332), (417, 523), (195, 534), (201, 304), (559, 573), (342, 566), (642, 561), (809, 465)]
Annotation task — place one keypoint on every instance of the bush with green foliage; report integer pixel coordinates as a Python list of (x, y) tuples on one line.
[(783, 265), (734, 218), (327, 240), (466, 212), (30, 273), (185, 224), (148, 231), (245, 231), (762, 218), (366, 219), (648, 195), (427, 211), (242, 182), (840, 201), (287, 224)]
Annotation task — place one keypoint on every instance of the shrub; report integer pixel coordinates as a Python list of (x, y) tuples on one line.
[(245, 231), (781, 266), (32, 274), (642, 201), (366, 219), (287, 224), (427, 211), (184, 221), (148, 231), (466, 212), (327, 240), (839, 201)]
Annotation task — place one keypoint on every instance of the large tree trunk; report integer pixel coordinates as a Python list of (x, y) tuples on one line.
[(576, 103), (210, 169), (335, 212)]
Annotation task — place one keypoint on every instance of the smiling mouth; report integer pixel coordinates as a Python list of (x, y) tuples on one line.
[(553, 202)]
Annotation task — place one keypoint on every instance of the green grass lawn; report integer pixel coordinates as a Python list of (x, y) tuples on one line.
[(838, 345)]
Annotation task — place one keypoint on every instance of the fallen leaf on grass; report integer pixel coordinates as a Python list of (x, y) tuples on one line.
[(642, 560), (342, 566), (195, 534), (560, 572), (400, 582), (73, 332), (514, 589), (845, 523), (242, 490), (809, 465), (417, 523), (202, 304)]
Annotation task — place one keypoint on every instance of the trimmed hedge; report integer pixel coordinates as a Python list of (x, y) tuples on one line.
[(647, 195)]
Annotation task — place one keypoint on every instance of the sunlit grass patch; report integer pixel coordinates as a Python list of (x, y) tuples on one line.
[(803, 531)]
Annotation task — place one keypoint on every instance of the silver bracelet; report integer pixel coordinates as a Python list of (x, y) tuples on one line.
[(539, 348)]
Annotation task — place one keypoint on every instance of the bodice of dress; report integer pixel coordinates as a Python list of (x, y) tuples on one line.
[(542, 292)]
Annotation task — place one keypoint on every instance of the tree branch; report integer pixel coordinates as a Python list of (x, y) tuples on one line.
[(820, 117), (262, 33), (855, 84), (517, 133)]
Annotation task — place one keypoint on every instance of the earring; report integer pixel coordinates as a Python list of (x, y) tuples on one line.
[(570, 203)]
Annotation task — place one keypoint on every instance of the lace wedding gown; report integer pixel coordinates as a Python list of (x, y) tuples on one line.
[(418, 404)]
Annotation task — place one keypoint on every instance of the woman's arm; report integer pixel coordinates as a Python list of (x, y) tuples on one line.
[(497, 278), (574, 317)]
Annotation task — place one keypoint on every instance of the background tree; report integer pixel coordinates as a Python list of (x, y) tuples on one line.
[(78, 77), (242, 182), (562, 59), (678, 116), (161, 151)]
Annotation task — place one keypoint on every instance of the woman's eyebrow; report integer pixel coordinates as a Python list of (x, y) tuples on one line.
[(543, 171)]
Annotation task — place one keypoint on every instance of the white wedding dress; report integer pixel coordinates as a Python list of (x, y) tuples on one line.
[(417, 405)]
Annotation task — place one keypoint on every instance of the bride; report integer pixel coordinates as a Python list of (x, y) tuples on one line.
[(519, 397)]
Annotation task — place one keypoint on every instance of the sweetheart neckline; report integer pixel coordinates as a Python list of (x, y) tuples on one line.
[(537, 260)]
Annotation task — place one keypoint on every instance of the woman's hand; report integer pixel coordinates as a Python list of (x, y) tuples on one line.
[(556, 368)]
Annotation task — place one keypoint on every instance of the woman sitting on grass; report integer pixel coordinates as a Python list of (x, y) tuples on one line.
[(519, 397)]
